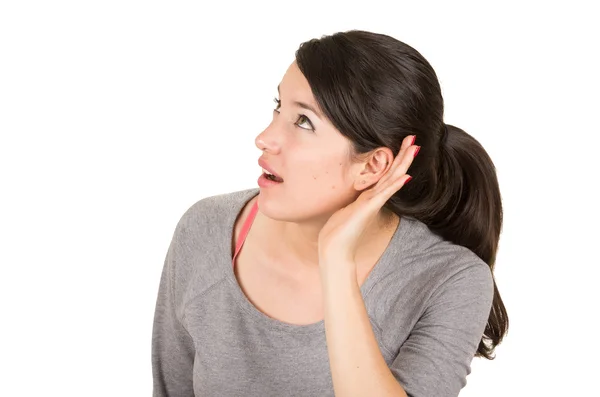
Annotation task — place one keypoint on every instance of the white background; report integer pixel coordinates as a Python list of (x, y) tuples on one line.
[(116, 116)]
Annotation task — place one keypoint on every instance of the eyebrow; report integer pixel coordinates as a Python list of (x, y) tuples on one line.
[(304, 105)]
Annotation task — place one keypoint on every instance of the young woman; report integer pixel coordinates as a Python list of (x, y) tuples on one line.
[(352, 281)]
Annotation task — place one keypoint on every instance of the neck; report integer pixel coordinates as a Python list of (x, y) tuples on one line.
[(300, 240)]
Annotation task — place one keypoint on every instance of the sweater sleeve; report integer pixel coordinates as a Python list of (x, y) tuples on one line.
[(436, 357), (173, 349)]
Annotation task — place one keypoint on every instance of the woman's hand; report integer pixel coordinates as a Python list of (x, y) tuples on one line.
[(339, 237)]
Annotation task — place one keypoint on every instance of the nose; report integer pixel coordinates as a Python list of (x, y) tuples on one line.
[(267, 140)]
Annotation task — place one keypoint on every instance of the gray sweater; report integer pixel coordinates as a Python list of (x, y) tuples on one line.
[(428, 301)]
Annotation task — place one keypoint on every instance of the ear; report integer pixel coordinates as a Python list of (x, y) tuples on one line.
[(373, 168)]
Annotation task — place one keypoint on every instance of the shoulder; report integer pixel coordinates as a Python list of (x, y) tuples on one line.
[(199, 251), (435, 327), (451, 268), (423, 258), (426, 252), (214, 210), (424, 273)]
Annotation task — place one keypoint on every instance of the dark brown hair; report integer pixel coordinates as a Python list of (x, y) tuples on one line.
[(376, 90)]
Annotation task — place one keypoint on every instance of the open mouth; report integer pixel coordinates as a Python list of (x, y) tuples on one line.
[(273, 178)]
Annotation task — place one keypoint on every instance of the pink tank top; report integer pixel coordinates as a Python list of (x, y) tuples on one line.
[(245, 230)]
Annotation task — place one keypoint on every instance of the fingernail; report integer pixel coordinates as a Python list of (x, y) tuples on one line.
[(417, 151), (414, 139), (408, 180)]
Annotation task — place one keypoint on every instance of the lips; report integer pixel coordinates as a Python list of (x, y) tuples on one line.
[(263, 164)]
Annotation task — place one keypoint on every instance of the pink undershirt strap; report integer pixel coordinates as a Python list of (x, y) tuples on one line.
[(245, 230)]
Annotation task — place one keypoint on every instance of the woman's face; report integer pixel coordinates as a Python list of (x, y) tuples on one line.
[(309, 154)]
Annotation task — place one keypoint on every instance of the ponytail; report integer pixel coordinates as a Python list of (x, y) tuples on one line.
[(469, 213), (459, 200)]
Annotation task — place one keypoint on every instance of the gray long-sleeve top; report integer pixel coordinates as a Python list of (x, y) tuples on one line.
[(428, 301)]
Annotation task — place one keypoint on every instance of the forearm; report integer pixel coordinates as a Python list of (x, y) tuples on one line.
[(357, 366)]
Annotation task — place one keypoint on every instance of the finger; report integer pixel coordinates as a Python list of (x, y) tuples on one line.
[(406, 161), (392, 188), (401, 163), (406, 143), (380, 196)]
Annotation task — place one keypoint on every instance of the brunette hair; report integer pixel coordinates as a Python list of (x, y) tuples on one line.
[(376, 90)]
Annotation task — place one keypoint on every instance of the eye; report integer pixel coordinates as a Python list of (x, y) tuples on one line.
[(303, 117), (307, 121)]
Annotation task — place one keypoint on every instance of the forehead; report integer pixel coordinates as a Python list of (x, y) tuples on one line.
[(294, 83)]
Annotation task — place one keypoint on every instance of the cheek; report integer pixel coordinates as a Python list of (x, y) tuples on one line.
[(328, 174)]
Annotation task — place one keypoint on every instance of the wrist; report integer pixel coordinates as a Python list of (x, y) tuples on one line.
[(338, 271)]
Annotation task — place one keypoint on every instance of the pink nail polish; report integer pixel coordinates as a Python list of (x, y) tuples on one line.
[(417, 151), (414, 139)]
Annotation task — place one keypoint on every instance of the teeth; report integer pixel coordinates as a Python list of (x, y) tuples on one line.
[(266, 172)]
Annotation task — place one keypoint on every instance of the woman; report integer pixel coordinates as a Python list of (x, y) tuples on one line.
[(352, 281)]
